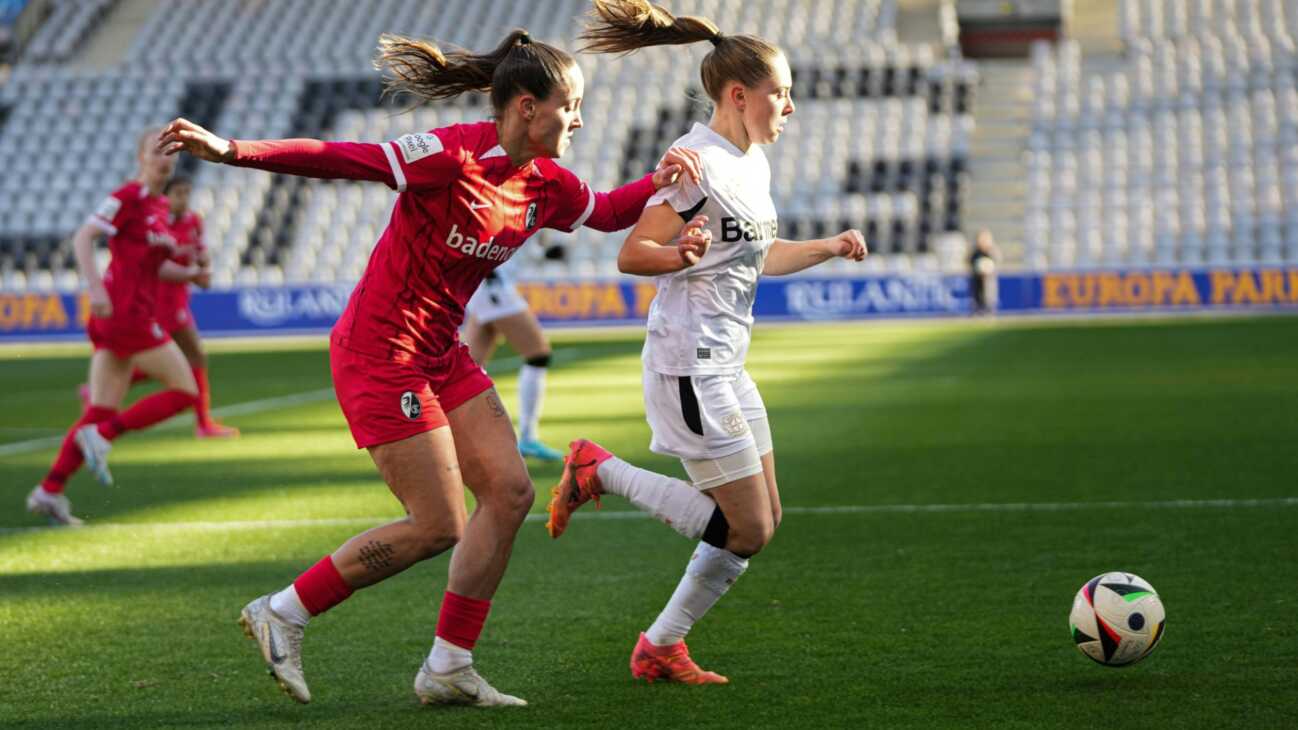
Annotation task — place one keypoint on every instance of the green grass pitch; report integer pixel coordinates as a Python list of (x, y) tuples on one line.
[(971, 473)]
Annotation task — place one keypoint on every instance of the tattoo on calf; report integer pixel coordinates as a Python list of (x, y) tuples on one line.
[(377, 555)]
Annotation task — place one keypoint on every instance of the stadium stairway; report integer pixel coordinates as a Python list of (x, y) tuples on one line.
[(997, 191), (109, 44)]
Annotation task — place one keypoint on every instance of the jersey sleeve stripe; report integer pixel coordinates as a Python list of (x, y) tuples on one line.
[(102, 224), (686, 215), (397, 175), (590, 208)]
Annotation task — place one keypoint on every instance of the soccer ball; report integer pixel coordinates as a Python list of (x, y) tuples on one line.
[(1117, 619)]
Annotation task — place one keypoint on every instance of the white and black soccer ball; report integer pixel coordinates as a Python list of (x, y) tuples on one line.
[(1117, 619)]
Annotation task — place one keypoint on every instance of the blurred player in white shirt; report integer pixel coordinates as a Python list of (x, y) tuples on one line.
[(496, 310), (706, 244)]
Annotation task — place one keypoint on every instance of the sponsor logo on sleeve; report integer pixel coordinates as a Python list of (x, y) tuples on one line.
[(530, 221), (415, 147), (108, 209)]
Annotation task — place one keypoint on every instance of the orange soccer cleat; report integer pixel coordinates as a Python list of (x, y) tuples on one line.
[(216, 430), (670, 664), (578, 485)]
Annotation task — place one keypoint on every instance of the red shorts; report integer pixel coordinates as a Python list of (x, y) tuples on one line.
[(173, 311), (385, 401), (175, 319), (125, 338)]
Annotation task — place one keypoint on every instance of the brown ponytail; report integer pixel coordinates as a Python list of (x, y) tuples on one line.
[(518, 64), (624, 26)]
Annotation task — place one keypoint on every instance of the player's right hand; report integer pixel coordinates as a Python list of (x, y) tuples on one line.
[(101, 306), (694, 240), (182, 134)]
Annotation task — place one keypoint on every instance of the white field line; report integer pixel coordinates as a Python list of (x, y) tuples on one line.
[(234, 525), (259, 406)]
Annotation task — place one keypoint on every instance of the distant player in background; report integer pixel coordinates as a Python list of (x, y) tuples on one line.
[(701, 404), (469, 196), (123, 327), (174, 313), (498, 310)]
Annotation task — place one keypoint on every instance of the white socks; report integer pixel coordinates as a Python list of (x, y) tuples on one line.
[(671, 501), (289, 607), (531, 392), (708, 576), (447, 657)]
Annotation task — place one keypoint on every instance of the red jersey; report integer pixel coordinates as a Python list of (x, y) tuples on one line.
[(464, 208), (139, 240), (173, 296)]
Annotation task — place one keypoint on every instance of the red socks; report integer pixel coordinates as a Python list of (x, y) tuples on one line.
[(203, 406), (146, 412), (321, 587), (461, 619), (69, 458)]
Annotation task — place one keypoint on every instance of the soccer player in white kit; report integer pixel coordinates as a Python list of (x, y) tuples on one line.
[(700, 402), (495, 310)]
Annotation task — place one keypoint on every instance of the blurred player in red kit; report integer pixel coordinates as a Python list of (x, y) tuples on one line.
[(123, 327), (174, 313), (469, 196)]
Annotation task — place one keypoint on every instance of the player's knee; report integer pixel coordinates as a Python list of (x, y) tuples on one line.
[(513, 496), (438, 536), (747, 540), (744, 539)]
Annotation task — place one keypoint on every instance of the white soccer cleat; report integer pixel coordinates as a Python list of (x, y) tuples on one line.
[(54, 506), (281, 646), (94, 449), (464, 686)]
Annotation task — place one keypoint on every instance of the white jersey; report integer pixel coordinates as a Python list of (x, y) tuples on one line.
[(701, 320)]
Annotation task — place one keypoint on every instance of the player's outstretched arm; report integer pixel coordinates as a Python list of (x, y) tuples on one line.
[(303, 157), (660, 244), (789, 257), (622, 207)]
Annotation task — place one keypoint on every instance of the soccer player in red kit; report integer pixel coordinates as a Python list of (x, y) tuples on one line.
[(174, 313), (123, 328), (470, 195)]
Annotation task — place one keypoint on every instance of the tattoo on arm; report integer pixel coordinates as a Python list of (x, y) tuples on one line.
[(496, 406), (377, 555)]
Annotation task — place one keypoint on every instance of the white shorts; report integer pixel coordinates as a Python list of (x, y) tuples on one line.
[(496, 298), (715, 424)]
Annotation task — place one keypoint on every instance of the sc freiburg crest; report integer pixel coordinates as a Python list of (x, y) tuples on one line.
[(410, 405)]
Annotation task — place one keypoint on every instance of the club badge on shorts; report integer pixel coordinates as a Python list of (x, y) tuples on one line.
[(734, 424), (410, 405)]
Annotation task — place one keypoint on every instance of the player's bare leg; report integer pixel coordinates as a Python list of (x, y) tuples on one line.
[(424, 475), (204, 425), (110, 378), (481, 339), (494, 471), (523, 333)]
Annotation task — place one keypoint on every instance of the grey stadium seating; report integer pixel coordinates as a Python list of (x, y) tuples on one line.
[(880, 140)]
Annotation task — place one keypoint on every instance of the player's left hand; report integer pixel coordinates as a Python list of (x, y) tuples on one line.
[(849, 244), (678, 160), (203, 279), (182, 134)]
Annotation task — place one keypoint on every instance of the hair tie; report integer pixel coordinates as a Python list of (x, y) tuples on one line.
[(716, 39), (524, 39)]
